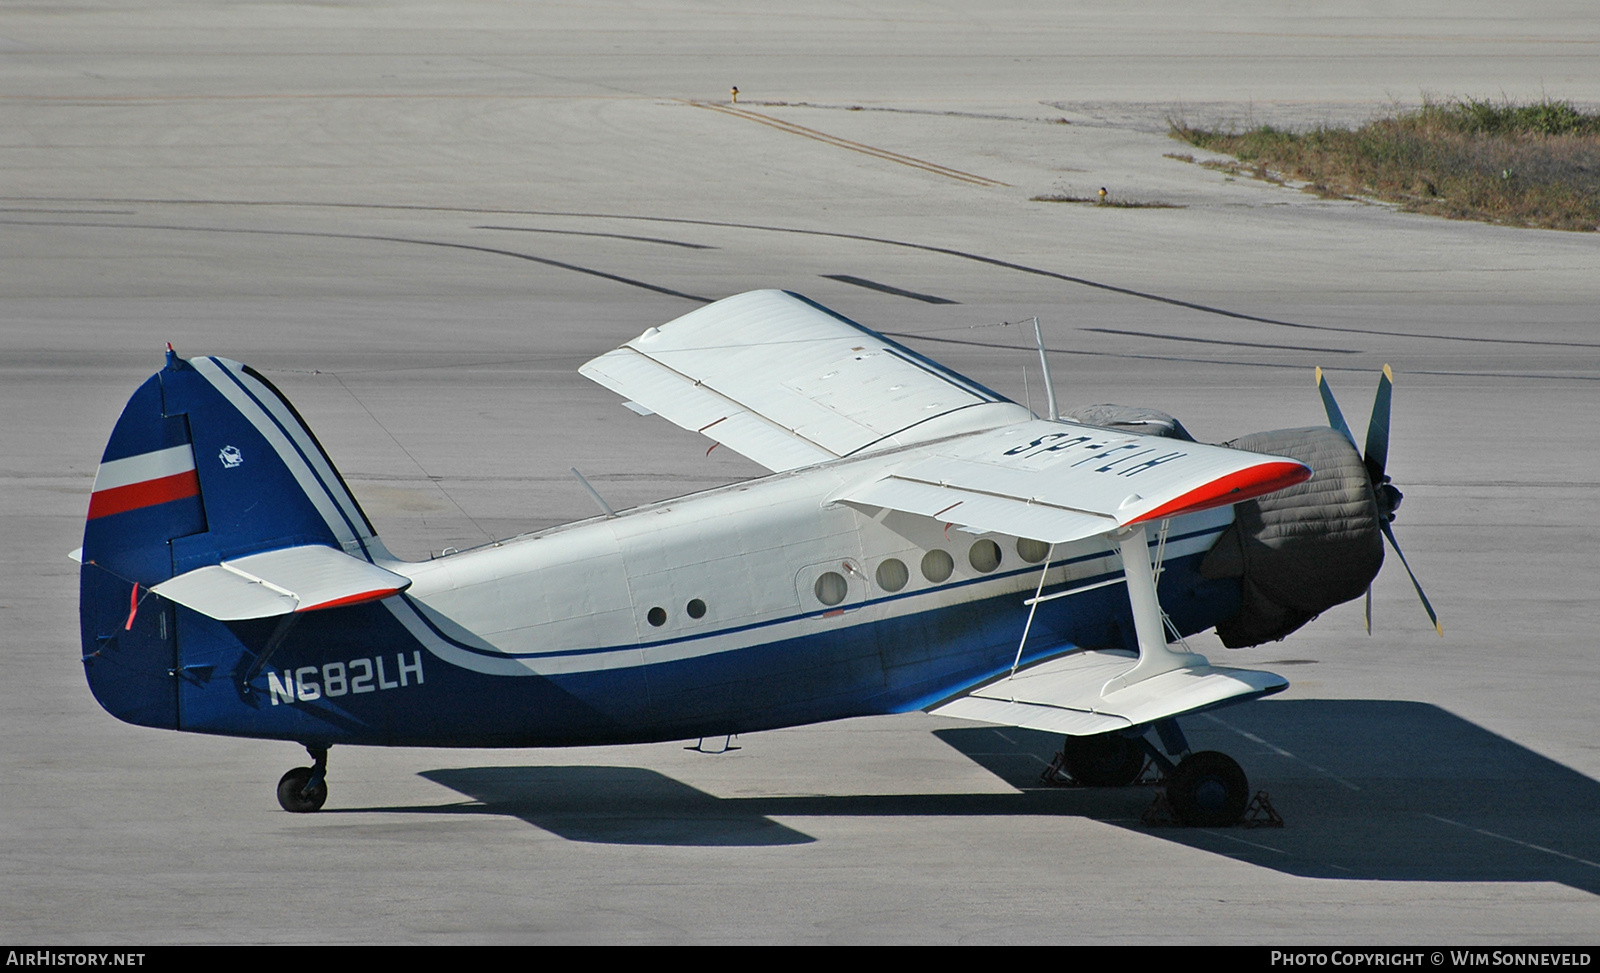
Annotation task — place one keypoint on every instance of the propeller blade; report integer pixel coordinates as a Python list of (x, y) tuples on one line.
[(1335, 417), (1369, 609), (1377, 454), (1426, 606)]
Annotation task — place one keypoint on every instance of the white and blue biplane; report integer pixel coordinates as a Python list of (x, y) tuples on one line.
[(923, 543)]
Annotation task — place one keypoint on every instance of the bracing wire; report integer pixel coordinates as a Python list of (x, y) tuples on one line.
[(1032, 609)]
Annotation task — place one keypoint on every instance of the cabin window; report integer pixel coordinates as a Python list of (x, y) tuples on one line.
[(657, 616), (984, 555), (937, 565), (892, 574), (696, 608), (831, 588), (1032, 551)]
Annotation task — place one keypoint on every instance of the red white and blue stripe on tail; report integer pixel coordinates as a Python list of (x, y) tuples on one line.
[(207, 464), (135, 482)]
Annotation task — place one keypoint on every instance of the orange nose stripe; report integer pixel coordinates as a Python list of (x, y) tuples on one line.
[(1233, 488)]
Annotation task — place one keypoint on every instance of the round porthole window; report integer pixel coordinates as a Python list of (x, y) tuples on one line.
[(657, 616), (892, 574), (937, 565), (1032, 551), (830, 588), (696, 608), (984, 555)]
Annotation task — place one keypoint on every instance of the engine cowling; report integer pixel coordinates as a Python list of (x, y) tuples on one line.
[(1302, 550)]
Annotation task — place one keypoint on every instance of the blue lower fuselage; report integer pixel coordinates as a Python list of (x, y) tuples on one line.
[(359, 676)]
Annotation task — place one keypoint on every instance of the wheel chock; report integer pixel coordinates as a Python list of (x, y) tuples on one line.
[(1261, 814)]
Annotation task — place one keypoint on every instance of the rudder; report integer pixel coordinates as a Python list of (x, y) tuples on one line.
[(208, 461)]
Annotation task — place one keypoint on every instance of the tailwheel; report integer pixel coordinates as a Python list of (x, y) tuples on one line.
[(1208, 790), (305, 789), (1106, 760)]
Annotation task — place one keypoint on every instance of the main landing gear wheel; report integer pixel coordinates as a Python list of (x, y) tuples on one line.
[(1208, 790), (1107, 760), (305, 789)]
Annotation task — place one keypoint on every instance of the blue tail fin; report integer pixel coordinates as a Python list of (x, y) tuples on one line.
[(208, 461)]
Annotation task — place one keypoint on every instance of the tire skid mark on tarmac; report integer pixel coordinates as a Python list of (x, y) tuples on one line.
[(612, 236), (1218, 341), (905, 244), (1292, 366), (376, 237)]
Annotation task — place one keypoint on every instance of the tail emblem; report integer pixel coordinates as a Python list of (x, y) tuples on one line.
[(230, 456)]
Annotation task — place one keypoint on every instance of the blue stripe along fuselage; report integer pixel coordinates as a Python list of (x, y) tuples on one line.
[(857, 667)]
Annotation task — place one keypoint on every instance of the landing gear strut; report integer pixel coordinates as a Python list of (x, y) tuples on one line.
[(305, 789), (1204, 790)]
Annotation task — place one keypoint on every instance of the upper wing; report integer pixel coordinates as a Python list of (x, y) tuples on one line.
[(1059, 482), (789, 383)]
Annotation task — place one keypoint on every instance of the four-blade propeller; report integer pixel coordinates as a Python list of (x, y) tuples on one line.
[(1376, 459)]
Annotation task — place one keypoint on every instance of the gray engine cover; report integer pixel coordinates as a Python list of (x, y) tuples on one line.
[(1300, 551)]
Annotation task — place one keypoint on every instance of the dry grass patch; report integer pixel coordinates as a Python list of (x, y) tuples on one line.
[(1111, 201), (1521, 165)]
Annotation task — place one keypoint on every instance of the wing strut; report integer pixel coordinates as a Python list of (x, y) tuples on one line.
[(1095, 691), (1033, 607), (1161, 557), (1155, 656), (1150, 623)]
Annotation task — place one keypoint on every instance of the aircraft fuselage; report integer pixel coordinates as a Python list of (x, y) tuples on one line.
[(698, 616)]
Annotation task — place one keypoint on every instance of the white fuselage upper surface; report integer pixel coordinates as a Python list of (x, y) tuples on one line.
[(589, 596)]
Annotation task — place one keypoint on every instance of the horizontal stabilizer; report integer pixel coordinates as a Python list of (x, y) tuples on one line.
[(294, 579), (1066, 694)]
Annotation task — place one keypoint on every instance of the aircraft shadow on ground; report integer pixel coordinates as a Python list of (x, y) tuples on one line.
[(1369, 789), (615, 805)]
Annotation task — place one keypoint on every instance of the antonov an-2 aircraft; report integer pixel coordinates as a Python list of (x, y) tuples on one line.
[(922, 543)]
